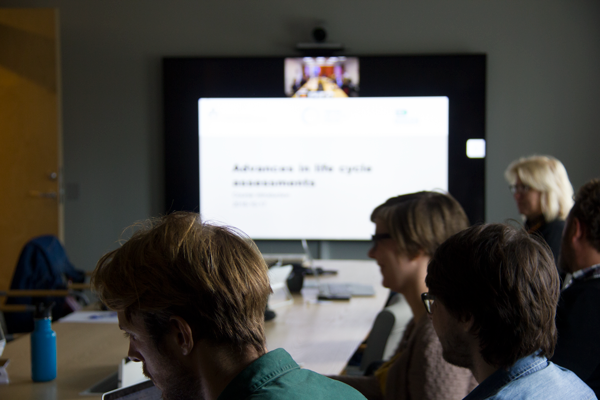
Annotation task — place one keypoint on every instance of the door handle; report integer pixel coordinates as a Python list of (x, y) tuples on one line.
[(43, 195)]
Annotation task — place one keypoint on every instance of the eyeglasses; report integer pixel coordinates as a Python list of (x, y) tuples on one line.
[(428, 300), (519, 189), (380, 236)]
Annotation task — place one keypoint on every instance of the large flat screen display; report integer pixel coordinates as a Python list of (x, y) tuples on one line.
[(301, 167), (306, 147)]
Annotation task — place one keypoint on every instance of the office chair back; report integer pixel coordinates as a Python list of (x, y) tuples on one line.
[(386, 332)]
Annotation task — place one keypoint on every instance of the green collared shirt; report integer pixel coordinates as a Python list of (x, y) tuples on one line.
[(276, 375)]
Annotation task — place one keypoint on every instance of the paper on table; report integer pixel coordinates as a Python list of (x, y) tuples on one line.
[(94, 317)]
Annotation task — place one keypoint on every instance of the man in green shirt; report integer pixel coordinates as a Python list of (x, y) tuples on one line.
[(191, 298)]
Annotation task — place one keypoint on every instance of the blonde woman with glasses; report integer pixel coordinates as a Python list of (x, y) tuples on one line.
[(544, 196)]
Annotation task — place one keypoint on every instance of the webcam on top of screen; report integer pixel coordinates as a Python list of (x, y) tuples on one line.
[(319, 35)]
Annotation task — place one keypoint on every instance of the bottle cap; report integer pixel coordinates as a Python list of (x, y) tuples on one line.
[(43, 311)]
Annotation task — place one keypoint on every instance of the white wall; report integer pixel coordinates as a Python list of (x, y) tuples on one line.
[(542, 93)]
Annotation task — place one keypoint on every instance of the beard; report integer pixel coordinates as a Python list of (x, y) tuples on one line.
[(177, 382), (456, 350), (566, 256)]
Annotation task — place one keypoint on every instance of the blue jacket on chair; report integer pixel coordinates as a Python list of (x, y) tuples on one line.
[(43, 264)]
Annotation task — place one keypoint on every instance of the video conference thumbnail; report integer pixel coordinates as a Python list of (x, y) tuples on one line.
[(322, 77)]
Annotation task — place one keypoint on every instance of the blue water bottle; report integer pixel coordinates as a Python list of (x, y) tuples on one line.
[(43, 345)]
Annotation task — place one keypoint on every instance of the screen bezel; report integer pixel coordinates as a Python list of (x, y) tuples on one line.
[(462, 78)]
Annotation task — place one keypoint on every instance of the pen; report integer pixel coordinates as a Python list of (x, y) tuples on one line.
[(100, 316)]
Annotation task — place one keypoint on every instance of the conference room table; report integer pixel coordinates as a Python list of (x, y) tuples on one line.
[(320, 336)]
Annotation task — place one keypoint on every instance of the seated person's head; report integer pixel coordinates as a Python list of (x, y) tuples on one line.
[(581, 236), (179, 284), (495, 291), (408, 229)]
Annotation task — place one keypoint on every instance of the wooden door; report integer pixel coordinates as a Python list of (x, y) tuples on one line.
[(29, 132)]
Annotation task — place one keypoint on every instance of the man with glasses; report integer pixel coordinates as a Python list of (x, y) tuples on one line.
[(578, 313), (492, 297)]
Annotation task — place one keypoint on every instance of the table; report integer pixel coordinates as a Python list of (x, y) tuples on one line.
[(86, 353), (321, 336)]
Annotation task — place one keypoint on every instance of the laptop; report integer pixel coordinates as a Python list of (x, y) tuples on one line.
[(140, 391), (337, 290)]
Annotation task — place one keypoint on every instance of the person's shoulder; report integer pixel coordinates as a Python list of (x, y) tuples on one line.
[(589, 285), (577, 314), (550, 383), (587, 291), (552, 232), (275, 375), (560, 378), (302, 384), (556, 224)]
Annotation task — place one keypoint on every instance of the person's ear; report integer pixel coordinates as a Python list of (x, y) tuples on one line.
[(183, 334), (578, 226), (420, 253), (467, 324), (577, 231)]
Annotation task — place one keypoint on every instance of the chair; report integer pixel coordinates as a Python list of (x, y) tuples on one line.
[(386, 332), (43, 264)]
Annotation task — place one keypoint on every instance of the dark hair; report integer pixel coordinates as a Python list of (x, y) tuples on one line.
[(421, 221), (506, 280), (587, 210), (211, 276)]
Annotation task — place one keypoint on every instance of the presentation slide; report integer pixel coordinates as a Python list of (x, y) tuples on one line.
[(315, 168)]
